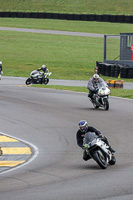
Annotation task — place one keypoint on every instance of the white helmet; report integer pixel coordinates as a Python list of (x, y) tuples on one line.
[(0, 63), (43, 66), (95, 77)]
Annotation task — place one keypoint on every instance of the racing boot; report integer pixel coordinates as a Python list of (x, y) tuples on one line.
[(106, 141), (111, 149), (91, 97)]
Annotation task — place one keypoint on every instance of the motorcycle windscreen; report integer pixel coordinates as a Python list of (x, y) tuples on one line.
[(89, 137)]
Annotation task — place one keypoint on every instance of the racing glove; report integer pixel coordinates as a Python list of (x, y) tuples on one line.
[(100, 136)]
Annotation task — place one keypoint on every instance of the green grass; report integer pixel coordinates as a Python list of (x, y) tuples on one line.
[(122, 93), (69, 6), (114, 92), (68, 25), (68, 57)]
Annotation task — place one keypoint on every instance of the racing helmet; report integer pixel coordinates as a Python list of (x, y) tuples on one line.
[(83, 125), (95, 77), (44, 68)]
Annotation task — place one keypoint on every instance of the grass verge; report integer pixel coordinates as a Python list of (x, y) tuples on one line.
[(124, 93), (67, 57), (69, 6), (68, 25)]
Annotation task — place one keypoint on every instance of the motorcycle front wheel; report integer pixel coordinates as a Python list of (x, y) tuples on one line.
[(101, 159), (106, 104), (46, 80), (28, 81)]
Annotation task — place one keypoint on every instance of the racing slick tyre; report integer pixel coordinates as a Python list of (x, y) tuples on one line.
[(106, 104), (28, 81), (101, 159), (95, 106)]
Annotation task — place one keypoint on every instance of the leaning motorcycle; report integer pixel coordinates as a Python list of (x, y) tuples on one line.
[(37, 77), (97, 149), (100, 98)]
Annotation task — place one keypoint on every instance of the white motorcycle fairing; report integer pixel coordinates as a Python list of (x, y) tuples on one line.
[(100, 98), (98, 150), (37, 77)]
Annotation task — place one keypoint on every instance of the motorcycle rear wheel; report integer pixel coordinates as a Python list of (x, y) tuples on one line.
[(95, 106), (101, 159), (28, 81), (106, 104), (112, 161)]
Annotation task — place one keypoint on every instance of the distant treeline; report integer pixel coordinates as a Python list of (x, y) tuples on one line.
[(79, 17)]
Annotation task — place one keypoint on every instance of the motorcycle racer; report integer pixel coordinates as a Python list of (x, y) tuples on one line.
[(39, 76), (92, 85), (43, 68), (83, 129)]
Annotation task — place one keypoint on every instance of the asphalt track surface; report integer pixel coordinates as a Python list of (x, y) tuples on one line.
[(52, 32), (48, 119)]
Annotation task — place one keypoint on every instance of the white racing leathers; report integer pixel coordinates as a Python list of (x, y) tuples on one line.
[(92, 85), (99, 93)]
